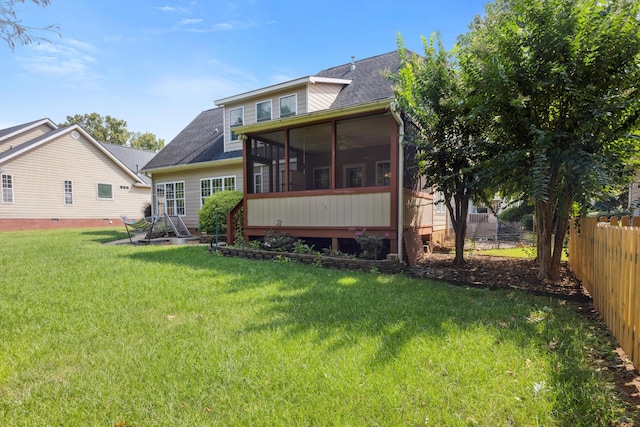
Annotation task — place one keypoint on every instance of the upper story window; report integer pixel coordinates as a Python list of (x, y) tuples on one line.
[(263, 111), (7, 188), (236, 118), (288, 105)]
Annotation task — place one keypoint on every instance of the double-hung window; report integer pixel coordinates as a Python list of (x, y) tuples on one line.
[(174, 198), (288, 105), (68, 192), (263, 111), (208, 186), (7, 188), (236, 118)]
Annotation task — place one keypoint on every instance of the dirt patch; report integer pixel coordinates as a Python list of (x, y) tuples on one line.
[(521, 274)]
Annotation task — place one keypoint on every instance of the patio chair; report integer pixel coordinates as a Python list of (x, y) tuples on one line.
[(142, 225)]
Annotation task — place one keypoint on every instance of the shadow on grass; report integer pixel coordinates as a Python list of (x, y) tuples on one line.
[(105, 235), (341, 307)]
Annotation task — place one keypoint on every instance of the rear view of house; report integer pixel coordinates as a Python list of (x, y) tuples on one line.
[(61, 177)]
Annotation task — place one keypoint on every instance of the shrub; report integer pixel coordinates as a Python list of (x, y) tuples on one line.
[(515, 213), (221, 201), (282, 242)]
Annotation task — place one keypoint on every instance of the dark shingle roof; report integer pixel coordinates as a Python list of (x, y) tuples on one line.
[(25, 145), (369, 81), (132, 158), (201, 141), (9, 131)]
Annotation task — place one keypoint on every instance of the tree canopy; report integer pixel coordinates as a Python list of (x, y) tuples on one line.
[(114, 131), (14, 32), (559, 84), (432, 91)]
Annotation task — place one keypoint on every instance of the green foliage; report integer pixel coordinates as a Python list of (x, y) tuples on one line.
[(433, 93), (145, 141), (221, 202), (558, 80), (277, 241), (114, 131), (370, 244), (515, 213)]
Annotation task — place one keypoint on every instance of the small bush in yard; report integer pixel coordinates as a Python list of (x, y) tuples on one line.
[(222, 202)]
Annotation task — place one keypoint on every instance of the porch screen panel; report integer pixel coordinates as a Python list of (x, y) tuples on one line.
[(363, 151), (266, 163), (310, 158)]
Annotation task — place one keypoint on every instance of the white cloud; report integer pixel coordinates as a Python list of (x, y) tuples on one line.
[(173, 9), (189, 21), (225, 26)]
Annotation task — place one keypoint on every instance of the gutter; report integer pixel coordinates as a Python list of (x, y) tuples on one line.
[(396, 115)]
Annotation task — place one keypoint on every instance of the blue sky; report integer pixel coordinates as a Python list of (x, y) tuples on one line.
[(158, 64)]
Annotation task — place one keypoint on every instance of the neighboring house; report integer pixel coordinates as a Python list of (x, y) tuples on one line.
[(61, 177), (323, 155), (634, 196), (193, 166)]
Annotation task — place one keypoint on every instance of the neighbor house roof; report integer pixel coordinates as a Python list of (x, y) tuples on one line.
[(201, 141), (14, 130), (132, 158)]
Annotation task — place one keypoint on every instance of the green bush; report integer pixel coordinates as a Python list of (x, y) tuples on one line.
[(515, 213), (223, 202), (527, 222)]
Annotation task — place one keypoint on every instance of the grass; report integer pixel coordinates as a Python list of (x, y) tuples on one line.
[(526, 252), (171, 335)]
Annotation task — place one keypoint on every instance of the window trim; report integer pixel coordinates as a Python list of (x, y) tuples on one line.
[(295, 105), (8, 189), (256, 184), (98, 184), (175, 206), (223, 186), (440, 206), (68, 191), (378, 163), (270, 102), (362, 166), (233, 136)]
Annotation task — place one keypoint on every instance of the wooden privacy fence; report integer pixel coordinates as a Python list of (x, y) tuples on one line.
[(605, 256)]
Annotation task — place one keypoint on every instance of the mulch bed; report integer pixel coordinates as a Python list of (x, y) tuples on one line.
[(500, 273)]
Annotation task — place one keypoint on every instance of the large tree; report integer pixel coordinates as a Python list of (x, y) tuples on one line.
[(432, 91), (114, 131), (560, 83), (13, 31)]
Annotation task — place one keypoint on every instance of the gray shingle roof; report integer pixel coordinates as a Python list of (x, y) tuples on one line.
[(29, 143), (8, 131), (201, 141), (368, 80), (132, 158)]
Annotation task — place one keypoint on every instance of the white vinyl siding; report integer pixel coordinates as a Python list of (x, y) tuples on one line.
[(7, 188), (25, 136), (39, 174), (322, 95), (192, 179)]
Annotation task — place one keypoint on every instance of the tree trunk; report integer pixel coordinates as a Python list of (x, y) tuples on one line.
[(460, 226), (544, 223)]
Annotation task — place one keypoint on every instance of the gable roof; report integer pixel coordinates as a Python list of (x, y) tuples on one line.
[(132, 158), (201, 141), (369, 81), (15, 130), (32, 144)]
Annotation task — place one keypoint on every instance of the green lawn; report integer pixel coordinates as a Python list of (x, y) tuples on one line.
[(92, 335), (527, 252)]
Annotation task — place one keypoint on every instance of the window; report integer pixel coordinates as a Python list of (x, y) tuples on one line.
[(105, 191), (263, 111), (236, 118), (322, 178), (383, 173), (7, 188), (68, 193), (354, 176), (173, 195), (288, 105), (208, 186), (439, 201), (257, 183)]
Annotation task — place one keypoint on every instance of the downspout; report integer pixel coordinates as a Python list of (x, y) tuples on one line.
[(396, 115)]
